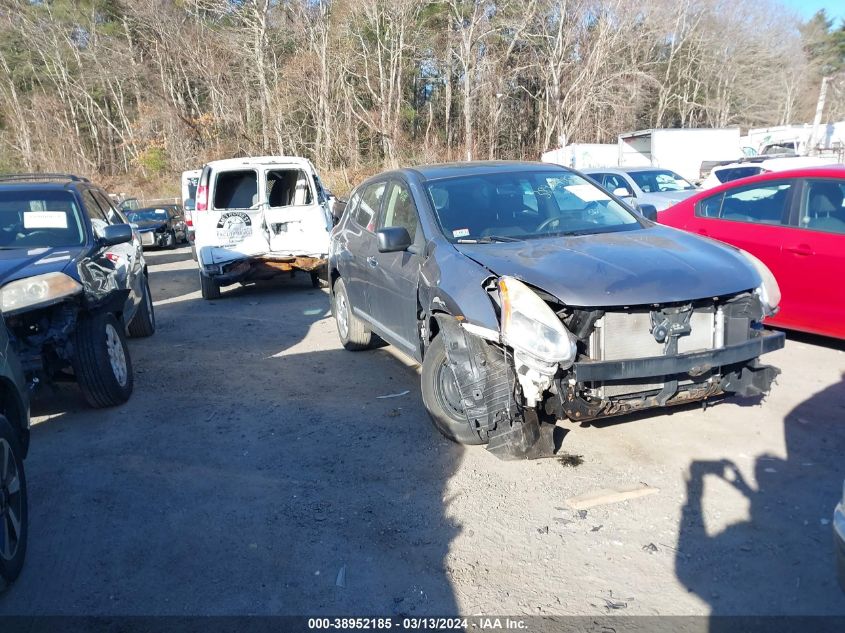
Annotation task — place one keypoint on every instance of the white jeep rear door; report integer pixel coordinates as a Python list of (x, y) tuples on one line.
[(298, 220), (232, 226)]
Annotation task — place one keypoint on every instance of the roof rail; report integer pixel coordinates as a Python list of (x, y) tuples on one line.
[(45, 176)]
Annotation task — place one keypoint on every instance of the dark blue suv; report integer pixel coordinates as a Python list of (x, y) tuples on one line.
[(73, 282)]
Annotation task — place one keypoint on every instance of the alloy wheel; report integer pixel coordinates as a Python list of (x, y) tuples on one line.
[(11, 502), (117, 357)]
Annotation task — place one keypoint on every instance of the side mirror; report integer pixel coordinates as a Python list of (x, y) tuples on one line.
[(116, 234), (621, 192), (393, 239), (649, 212)]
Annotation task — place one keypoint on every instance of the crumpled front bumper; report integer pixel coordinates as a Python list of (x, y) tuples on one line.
[(680, 379)]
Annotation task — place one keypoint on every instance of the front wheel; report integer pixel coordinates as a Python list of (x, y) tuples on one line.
[(170, 240), (101, 361), (442, 397), (14, 523)]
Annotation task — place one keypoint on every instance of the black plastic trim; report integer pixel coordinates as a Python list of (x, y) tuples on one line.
[(694, 363)]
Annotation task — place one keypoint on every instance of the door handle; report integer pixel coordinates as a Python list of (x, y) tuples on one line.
[(372, 261), (801, 249)]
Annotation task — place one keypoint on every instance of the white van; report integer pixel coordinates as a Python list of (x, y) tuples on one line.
[(257, 217)]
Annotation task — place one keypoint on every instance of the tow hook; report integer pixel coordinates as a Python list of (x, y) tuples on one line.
[(33, 384)]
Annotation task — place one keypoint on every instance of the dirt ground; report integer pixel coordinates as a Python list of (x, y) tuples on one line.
[(256, 471)]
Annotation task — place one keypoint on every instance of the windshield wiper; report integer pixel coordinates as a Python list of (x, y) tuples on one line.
[(488, 239)]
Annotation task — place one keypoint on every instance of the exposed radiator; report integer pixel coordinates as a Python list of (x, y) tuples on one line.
[(623, 335)]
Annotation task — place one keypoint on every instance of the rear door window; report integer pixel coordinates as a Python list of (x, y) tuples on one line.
[(236, 189), (288, 188), (823, 206), (758, 204)]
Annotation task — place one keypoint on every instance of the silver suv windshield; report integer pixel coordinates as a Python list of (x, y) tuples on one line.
[(524, 205), (38, 219)]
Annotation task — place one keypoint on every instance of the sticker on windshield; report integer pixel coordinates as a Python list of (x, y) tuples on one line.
[(233, 227), (460, 232), (587, 193), (44, 220)]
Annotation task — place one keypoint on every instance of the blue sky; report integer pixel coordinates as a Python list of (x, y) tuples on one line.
[(806, 8)]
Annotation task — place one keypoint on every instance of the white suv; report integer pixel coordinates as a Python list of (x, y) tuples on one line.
[(258, 217)]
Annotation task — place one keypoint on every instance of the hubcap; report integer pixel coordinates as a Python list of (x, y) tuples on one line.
[(11, 502), (448, 392), (117, 358), (342, 314)]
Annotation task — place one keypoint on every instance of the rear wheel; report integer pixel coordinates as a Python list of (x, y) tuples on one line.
[(14, 523), (353, 332), (144, 321), (101, 361), (209, 287), (442, 397)]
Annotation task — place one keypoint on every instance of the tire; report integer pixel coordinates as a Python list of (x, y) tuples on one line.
[(210, 289), (13, 504), (101, 361), (441, 398), (317, 281), (170, 240), (353, 332), (144, 321)]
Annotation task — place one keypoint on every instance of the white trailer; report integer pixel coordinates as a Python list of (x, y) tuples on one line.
[(584, 155), (682, 150)]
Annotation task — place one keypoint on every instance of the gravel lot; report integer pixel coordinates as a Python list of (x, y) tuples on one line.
[(255, 471)]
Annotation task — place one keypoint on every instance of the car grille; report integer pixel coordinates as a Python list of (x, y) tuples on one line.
[(623, 335)]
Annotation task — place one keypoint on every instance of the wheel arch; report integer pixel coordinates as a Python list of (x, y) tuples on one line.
[(15, 410)]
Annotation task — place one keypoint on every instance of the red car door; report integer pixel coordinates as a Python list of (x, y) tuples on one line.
[(753, 217), (814, 255)]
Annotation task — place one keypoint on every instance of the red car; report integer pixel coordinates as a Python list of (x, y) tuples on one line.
[(794, 221)]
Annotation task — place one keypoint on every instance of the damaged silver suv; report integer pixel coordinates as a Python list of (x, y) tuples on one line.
[(529, 294)]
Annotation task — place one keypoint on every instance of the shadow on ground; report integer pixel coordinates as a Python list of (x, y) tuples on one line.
[(254, 471), (779, 560)]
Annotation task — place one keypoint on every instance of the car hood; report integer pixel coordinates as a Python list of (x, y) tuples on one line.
[(665, 199), (652, 265), (29, 262), (149, 225)]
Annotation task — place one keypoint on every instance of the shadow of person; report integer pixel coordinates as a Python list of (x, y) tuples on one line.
[(779, 561), (255, 470)]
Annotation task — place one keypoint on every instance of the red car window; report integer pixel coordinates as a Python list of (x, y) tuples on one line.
[(764, 203), (823, 206)]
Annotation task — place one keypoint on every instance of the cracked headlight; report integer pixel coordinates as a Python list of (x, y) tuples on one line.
[(768, 291), (530, 326), (36, 291)]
